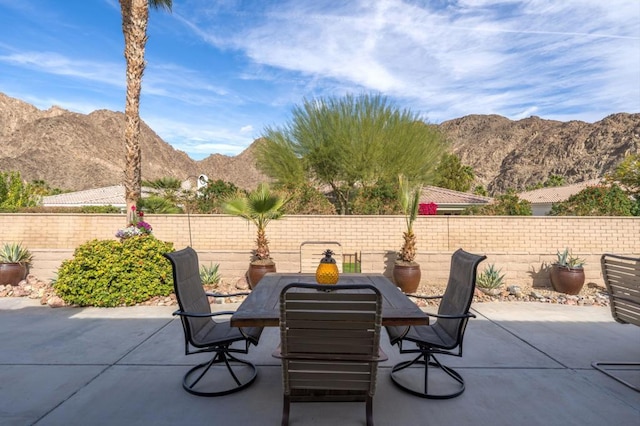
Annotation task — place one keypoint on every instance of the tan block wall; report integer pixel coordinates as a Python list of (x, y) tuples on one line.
[(521, 246)]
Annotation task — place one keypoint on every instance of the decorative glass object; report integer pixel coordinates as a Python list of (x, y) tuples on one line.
[(327, 272)]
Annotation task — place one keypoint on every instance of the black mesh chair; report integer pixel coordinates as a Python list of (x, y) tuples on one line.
[(202, 333), (442, 337)]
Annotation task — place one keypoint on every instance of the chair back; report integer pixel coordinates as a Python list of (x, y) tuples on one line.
[(330, 339), (190, 293), (458, 295), (312, 251), (622, 277)]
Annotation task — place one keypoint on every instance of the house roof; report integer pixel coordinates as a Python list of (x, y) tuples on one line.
[(114, 196), (448, 197), (105, 196), (556, 194)]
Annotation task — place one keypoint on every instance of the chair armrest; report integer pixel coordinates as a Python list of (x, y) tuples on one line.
[(419, 296), (227, 294), (467, 315), (201, 314)]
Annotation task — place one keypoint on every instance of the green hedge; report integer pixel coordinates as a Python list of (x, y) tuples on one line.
[(112, 273)]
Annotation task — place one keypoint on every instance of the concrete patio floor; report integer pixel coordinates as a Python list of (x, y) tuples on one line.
[(524, 364)]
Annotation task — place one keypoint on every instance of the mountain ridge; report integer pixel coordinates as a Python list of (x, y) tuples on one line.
[(76, 151)]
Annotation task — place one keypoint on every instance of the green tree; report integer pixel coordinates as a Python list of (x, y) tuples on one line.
[(452, 174), (168, 188), (596, 201), (15, 193), (481, 190), (552, 181), (508, 204), (210, 197), (158, 205), (135, 17), (627, 174), (260, 207), (305, 199), (348, 143), (381, 198)]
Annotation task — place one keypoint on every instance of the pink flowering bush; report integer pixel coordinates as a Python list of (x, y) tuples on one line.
[(427, 208)]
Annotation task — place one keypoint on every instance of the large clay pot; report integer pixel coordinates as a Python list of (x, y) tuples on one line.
[(567, 280), (407, 277), (256, 272), (12, 273)]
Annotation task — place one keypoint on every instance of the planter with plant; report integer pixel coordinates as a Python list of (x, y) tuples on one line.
[(567, 273), (259, 207), (406, 271), (490, 281), (14, 263)]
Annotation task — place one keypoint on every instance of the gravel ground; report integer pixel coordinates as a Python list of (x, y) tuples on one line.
[(590, 295)]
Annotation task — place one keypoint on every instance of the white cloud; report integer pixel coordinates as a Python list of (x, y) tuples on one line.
[(471, 57)]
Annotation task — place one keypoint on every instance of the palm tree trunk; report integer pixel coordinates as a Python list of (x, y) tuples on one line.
[(135, 16)]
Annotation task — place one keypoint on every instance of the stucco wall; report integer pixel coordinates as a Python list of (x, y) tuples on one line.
[(519, 245)]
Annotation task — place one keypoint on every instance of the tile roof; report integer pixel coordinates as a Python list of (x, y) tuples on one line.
[(556, 194), (105, 196), (443, 197), (114, 195)]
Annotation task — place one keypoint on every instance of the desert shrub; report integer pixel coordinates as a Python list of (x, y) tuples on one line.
[(305, 199), (596, 201), (210, 275), (112, 273), (381, 198)]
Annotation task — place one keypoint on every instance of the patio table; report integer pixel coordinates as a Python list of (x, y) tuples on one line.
[(262, 307)]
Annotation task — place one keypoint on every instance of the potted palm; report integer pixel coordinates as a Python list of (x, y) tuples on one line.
[(406, 271), (259, 207), (14, 263), (567, 273)]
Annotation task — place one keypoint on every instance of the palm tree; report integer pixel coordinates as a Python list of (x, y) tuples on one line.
[(409, 197), (135, 16), (259, 207)]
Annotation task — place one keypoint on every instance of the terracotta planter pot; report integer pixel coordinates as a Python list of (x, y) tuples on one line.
[(407, 277), (567, 280), (256, 272), (12, 273)]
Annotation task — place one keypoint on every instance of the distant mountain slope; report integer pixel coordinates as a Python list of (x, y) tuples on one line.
[(76, 151), (513, 154)]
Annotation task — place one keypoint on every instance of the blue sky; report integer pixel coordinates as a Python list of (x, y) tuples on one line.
[(219, 72)]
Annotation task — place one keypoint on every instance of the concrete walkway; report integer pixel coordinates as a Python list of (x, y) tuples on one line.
[(524, 364)]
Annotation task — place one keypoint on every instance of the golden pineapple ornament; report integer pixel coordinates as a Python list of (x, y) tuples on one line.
[(327, 272)]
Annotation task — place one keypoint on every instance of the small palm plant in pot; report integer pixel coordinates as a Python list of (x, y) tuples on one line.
[(14, 263), (259, 207), (406, 271), (567, 273)]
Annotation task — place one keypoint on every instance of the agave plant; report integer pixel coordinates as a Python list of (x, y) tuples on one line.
[(567, 260), (15, 253), (490, 278), (210, 275)]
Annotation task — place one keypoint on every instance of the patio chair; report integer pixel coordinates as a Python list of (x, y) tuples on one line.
[(330, 344), (622, 277), (203, 333), (312, 251), (443, 337)]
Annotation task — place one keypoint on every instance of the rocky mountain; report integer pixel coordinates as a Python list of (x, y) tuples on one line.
[(76, 151), (514, 154)]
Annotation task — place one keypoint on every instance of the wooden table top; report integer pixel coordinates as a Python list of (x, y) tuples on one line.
[(261, 307)]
